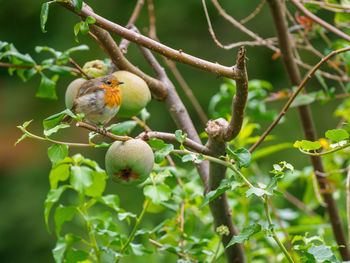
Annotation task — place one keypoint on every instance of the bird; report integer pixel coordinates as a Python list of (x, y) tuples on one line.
[(98, 99)]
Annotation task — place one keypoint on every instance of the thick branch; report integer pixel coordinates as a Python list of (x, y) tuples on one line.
[(177, 55), (157, 88), (169, 137), (240, 99), (321, 22), (307, 123)]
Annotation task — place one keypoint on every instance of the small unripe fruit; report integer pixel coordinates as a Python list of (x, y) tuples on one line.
[(72, 91), (135, 94), (95, 68), (130, 162)]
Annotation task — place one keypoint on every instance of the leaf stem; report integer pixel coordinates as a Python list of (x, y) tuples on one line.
[(133, 231), (327, 152), (274, 235)]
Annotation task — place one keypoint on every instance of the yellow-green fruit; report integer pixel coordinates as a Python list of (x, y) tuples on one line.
[(135, 94), (72, 91), (130, 162), (95, 68)]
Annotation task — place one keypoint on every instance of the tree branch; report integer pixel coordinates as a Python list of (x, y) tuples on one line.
[(97, 130), (240, 99), (177, 55)]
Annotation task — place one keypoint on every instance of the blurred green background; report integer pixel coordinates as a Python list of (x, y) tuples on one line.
[(181, 24)]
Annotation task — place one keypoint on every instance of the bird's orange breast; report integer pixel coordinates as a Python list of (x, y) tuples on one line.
[(113, 96)]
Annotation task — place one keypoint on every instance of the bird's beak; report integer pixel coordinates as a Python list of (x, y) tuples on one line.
[(120, 82)]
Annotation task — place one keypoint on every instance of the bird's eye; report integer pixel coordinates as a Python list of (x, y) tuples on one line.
[(108, 82)]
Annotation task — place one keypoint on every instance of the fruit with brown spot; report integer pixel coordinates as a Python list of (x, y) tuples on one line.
[(130, 162)]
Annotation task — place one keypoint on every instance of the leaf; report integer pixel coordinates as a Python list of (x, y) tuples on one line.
[(302, 99), (78, 5), (337, 135), (193, 157), (21, 139), (181, 138), (81, 178), (52, 197), (54, 120), (57, 153), (139, 249), (60, 70), (310, 146), (47, 88), (44, 15), (63, 214), (256, 191), (122, 128), (160, 155), (84, 28), (323, 253), (55, 129), (241, 156), (21, 59), (76, 256), (60, 248), (157, 193), (111, 201), (59, 173), (246, 233), (156, 143), (90, 20), (98, 184)]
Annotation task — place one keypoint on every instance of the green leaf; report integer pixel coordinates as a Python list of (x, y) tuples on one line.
[(111, 201), (323, 253), (90, 20), (98, 184), (84, 28), (310, 146), (76, 256), (81, 178), (241, 156), (139, 249), (78, 5), (21, 59), (246, 233), (76, 30), (193, 157), (60, 248), (157, 193), (57, 153), (156, 143), (160, 155), (303, 99), (181, 138), (63, 214), (60, 70), (21, 139), (44, 15), (54, 120), (123, 128), (256, 191), (47, 88), (337, 135), (3, 44), (52, 197), (59, 173), (55, 129)]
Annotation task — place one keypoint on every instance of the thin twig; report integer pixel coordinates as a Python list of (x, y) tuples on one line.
[(348, 201), (326, 152), (172, 251), (105, 133), (297, 91), (124, 44), (254, 13), (75, 64)]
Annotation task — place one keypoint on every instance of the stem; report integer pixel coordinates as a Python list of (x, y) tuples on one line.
[(216, 252), (94, 244), (274, 235), (46, 139), (327, 152), (133, 231)]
